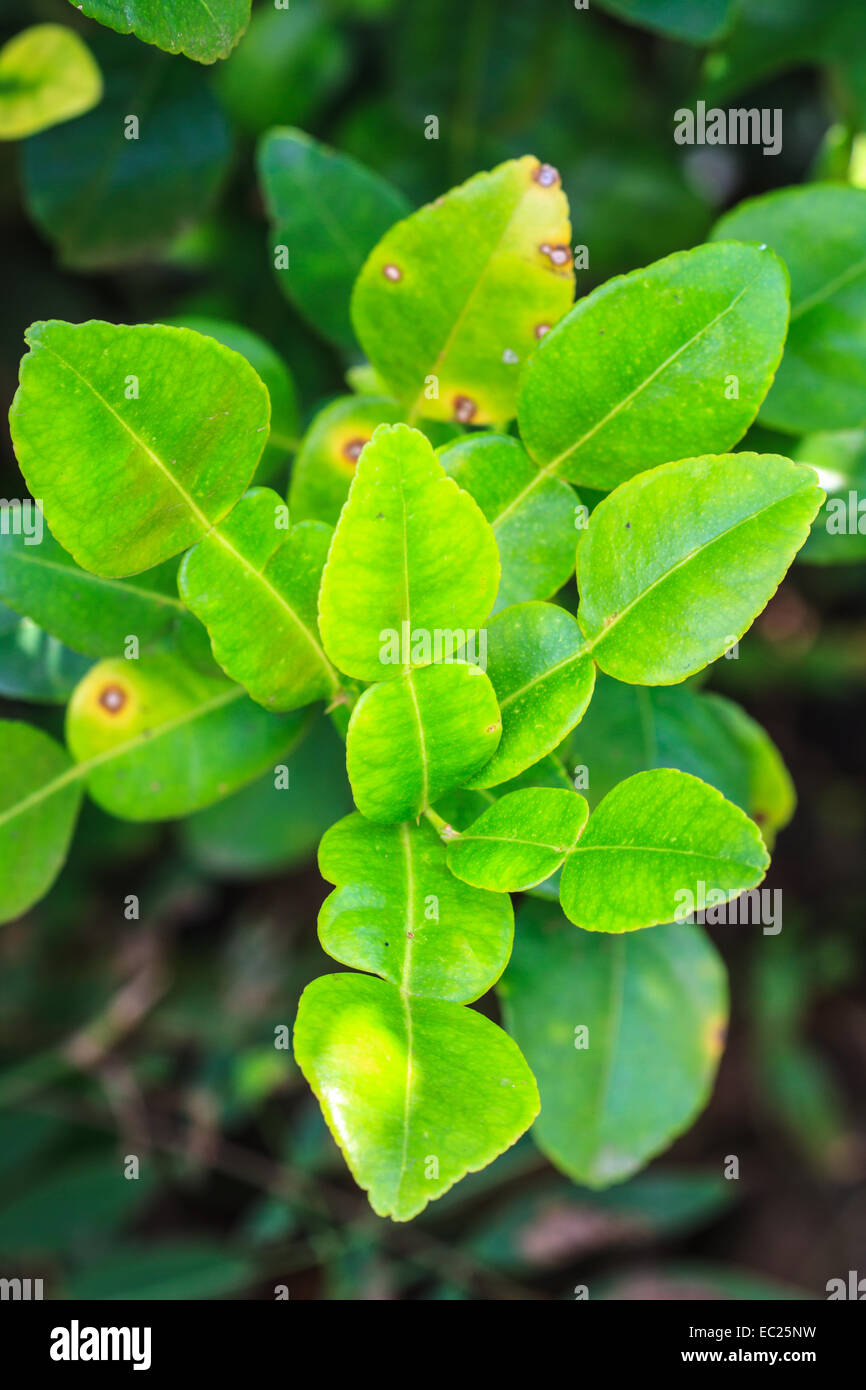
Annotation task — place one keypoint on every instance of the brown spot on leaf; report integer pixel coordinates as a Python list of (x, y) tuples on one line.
[(558, 254), (465, 409), (547, 175), (392, 272), (352, 449), (541, 329), (112, 698)]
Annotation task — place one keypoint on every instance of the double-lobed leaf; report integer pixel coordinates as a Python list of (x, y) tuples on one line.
[(656, 365), (255, 588), (47, 75), (520, 840), (413, 568), (454, 298), (398, 912), (202, 31), (40, 794), (135, 440), (623, 1034), (653, 850), (414, 738), (819, 230), (329, 212), (543, 679), (534, 525), (417, 1092), (677, 563)]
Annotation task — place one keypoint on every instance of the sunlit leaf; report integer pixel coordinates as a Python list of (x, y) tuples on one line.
[(656, 365), (47, 75), (397, 911), (655, 849), (454, 298), (135, 441), (417, 1092), (677, 563)]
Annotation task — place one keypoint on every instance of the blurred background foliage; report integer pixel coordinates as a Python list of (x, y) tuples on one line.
[(154, 1037)]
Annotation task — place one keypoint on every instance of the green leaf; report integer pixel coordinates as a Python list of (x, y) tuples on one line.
[(35, 666), (543, 679), (329, 212), (677, 563), (412, 739), (520, 841), (655, 844), (271, 824), (291, 62), (839, 533), (107, 199), (403, 1081), (157, 739), (39, 800), (412, 558), (68, 1208), (695, 21), (399, 913), (47, 75), (462, 290), (203, 31), (174, 1271), (135, 441), (655, 1006), (820, 232), (629, 728), (255, 586), (666, 362), (325, 463), (91, 614), (534, 526), (270, 367)]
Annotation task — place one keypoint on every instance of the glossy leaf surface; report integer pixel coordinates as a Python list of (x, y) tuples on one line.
[(454, 298), (656, 365), (135, 440), (677, 563), (398, 912), (655, 843), (402, 1080)]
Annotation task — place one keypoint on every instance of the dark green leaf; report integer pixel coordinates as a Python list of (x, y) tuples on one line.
[(328, 212), (654, 1006)]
